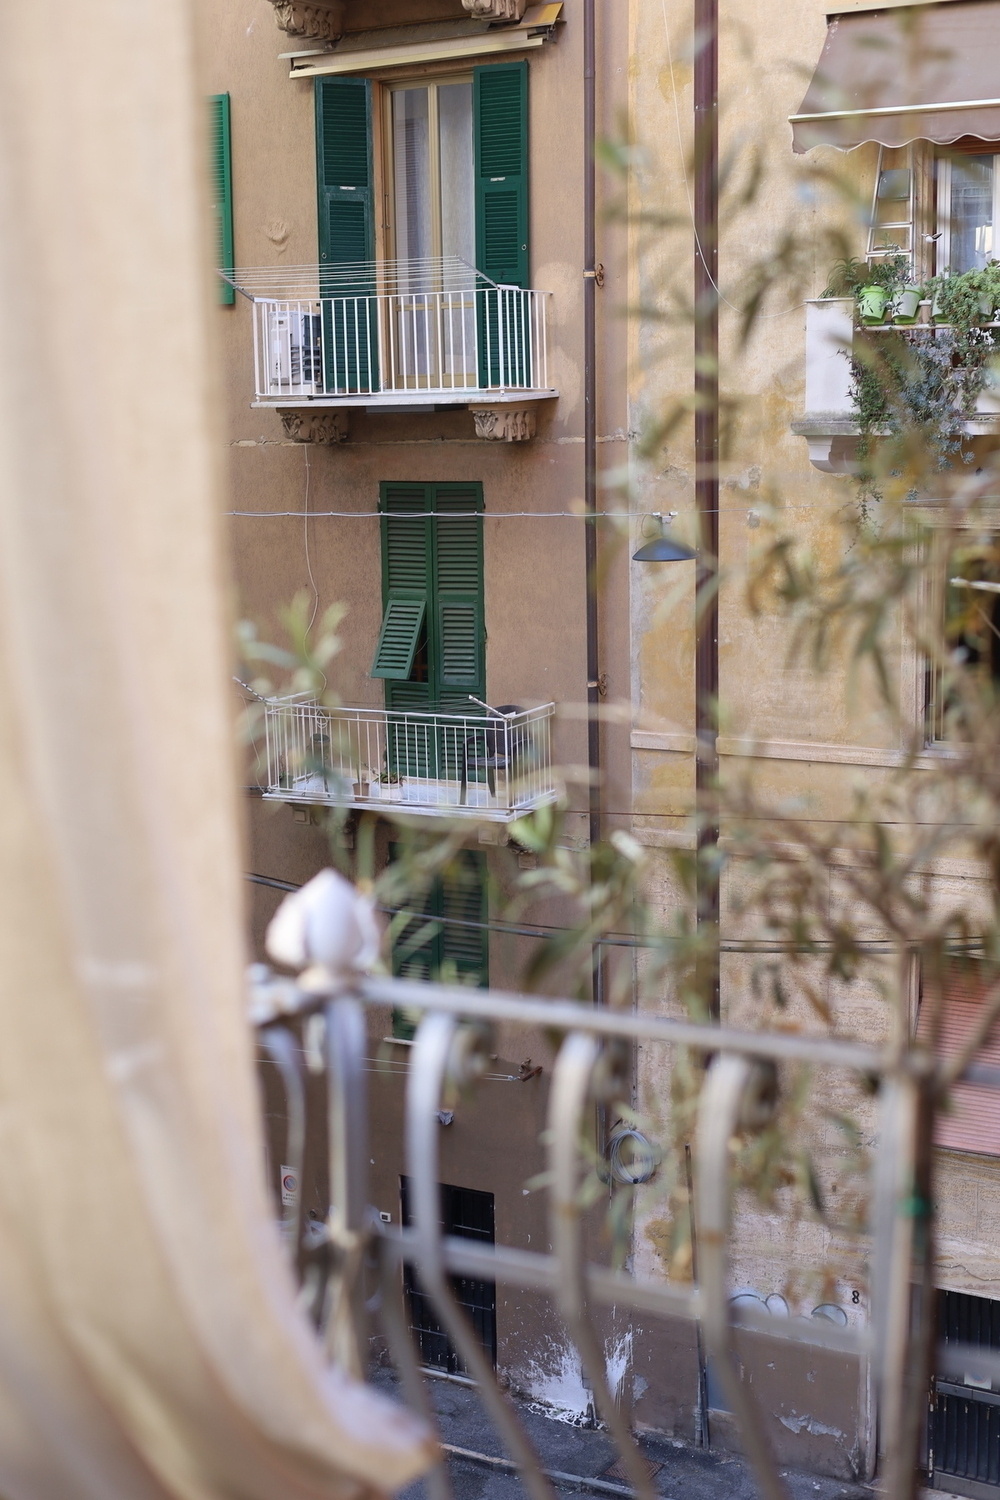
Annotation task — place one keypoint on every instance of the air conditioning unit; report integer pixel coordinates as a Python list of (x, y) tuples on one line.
[(294, 353)]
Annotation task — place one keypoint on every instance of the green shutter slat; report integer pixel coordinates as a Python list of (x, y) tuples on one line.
[(222, 191), (398, 638), (460, 634), (344, 133), (500, 105), (346, 232)]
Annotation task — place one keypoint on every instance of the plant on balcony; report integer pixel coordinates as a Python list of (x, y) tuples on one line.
[(877, 285), (927, 379)]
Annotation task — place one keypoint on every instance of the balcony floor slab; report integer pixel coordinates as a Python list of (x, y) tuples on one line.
[(404, 400), (429, 799)]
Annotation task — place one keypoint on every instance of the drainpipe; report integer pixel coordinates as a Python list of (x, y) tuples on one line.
[(590, 275), (706, 484)]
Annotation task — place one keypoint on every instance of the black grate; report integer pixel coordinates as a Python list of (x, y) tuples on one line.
[(466, 1213), (965, 1420)]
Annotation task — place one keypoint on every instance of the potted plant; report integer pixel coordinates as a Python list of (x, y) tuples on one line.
[(906, 304), (875, 284)]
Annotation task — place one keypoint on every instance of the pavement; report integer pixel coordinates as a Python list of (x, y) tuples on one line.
[(581, 1456)]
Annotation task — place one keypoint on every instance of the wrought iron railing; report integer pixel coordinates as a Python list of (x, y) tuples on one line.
[(741, 1093), (479, 765), (381, 328)]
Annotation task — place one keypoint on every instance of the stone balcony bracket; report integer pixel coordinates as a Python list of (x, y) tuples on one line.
[(328, 426), (323, 20), (313, 20), (504, 423), (495, 10)]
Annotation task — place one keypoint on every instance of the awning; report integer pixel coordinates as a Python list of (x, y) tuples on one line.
[(920, 72), (409, 46)]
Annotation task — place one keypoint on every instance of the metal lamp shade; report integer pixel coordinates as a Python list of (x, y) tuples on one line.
[(664, 549)]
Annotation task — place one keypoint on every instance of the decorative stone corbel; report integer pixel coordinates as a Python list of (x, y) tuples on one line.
[(315, 20), (315, 426), (504, 424), (495, 10)]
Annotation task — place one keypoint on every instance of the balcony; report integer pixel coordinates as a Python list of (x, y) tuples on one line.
[(828, 423), (493, 769), (396, 335)]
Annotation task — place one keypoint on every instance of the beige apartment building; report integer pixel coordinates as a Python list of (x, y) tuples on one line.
[(402, 220)]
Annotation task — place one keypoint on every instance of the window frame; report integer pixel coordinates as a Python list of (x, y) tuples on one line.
[(942, 544), (944, 159), (386, 155)]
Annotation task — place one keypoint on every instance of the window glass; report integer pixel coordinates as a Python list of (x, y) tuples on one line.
[(971, 212), (458, 230), (411, 172)]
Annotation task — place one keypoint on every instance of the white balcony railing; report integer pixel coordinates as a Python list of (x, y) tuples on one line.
[(495, 767), (829, 423), (742, 1093), (423, 328)]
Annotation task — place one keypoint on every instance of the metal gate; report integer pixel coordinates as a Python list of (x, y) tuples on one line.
[(964, 1437), (466, 1214)]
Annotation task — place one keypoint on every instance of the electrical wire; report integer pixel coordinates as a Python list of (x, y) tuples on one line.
[(490, 515), (620, 940), (761, 317)]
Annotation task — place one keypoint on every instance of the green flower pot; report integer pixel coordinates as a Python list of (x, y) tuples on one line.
[(906, 305), (873, 302)]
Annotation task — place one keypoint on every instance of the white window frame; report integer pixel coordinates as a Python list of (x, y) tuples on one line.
[(943, 164)]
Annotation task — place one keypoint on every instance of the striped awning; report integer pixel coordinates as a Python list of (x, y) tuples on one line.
[(906, 73)]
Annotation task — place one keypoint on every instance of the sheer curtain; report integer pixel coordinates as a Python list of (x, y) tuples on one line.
[(149, 1342)]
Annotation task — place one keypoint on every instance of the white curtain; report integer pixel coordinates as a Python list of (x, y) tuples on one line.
[(149, 1343)]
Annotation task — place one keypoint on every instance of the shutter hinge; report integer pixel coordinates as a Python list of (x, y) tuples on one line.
[(596, 275), (601, 685)]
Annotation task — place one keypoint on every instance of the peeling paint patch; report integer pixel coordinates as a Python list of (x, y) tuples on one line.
[(617, 1361), (817, 1429), (559, 1386)]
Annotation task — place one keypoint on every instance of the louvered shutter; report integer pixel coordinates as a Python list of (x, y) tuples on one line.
[(460, 642), (397, 642), (222, 191), (463, 909), (500, 113), (346, 234), (500, 110)]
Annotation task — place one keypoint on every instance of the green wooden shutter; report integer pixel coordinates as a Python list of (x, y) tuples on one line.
[(500, 113), (500, 109), (346, 234), (222, 192), (458, 636), (461, 895), (397, 641)]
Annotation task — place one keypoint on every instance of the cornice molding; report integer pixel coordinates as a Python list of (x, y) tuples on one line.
[(314, 20)]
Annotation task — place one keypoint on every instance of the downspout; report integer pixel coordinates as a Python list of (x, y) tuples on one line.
[(590, 434), (706, 483)]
